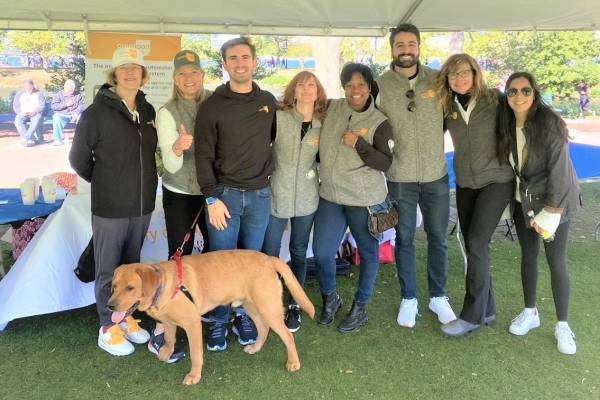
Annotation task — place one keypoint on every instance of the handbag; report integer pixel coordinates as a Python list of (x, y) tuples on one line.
[(86, 266), (382, 216)]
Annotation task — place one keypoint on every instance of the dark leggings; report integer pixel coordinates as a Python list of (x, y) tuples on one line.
[(556, 255)]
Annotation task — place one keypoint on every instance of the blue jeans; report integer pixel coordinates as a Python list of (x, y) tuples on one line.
[(434, 200), (299, 238), (331, 221), (34, 122), (249, 210), (58, 123)]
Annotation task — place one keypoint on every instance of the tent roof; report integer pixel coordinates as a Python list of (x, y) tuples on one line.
[(298, 17)]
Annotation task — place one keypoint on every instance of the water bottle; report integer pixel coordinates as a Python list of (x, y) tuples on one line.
[(547, 236)]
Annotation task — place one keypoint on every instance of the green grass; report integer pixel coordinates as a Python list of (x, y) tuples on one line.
[(56, 357)]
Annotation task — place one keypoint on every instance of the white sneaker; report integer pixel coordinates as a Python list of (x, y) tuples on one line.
[(113, 341), (524, 322), (133, 332), (441, 307), (408, 312), (565, 338)]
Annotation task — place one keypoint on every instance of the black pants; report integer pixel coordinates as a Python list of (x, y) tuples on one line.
[(556, 255), (180, 211), (479, 211), (116, 241)]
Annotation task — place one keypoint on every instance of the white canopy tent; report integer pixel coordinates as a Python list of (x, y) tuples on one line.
[(298, 17)]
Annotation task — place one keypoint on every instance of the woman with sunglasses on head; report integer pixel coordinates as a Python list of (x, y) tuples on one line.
[(484, 187), (355, 149), (295, 180), (534, 139)]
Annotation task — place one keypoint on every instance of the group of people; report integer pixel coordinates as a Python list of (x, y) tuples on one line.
[(258, 164), (29, 105)]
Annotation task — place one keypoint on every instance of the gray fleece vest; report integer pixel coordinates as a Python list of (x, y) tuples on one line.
[(418, 135), (475, 160), (295, 182), (184, 112), (345, 178)]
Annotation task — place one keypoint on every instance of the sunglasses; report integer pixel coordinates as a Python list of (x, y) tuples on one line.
[(463, 74), (412, 105), (512, 92)]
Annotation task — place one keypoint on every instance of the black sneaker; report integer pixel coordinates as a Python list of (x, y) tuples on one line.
[(244, 328), (217, 334), (157, 341), (293, 318)]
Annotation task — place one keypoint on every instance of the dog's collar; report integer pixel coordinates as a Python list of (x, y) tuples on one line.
[(158, 289)]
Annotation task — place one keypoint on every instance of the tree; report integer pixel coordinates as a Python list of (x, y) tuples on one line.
[(327, 62), (75, 50), (42, 43), (557, 59)]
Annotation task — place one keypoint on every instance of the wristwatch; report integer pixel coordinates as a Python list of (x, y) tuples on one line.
[(211, 200)]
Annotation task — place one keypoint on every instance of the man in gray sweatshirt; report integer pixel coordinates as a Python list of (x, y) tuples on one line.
[(418, 175)]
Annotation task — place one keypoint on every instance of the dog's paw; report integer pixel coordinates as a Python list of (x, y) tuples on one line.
[(292, 365), (191, 379), (165, 353), (252, 348)]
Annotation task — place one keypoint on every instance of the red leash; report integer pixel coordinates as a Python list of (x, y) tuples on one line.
[(177, 258)]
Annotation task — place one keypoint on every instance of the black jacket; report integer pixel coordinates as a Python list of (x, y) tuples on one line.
[(547, 176), (116, 154), (232, 137)]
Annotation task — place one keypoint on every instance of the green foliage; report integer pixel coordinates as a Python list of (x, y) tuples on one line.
[(76, 49), (595, 92), (557, 59), (5, 105), (276, 80), (43, 43), (377, 69)]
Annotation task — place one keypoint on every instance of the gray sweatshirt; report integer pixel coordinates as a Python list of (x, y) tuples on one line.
[(418, 135)]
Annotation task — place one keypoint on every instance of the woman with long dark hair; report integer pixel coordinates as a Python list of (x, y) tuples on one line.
[(534, 139)]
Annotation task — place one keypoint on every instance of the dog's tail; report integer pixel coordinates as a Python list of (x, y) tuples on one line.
[(293, 286)]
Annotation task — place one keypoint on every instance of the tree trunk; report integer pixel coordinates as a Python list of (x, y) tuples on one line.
[(326, 50), (456, 42)]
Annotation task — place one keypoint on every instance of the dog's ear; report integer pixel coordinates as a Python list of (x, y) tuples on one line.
[(150, 281)]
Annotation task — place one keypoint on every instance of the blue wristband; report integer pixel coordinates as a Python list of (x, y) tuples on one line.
[(211, 200)]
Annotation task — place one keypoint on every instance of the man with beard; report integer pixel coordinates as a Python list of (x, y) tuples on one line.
[(233, 134), (418, 174)]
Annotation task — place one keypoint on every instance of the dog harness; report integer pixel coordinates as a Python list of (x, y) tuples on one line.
[(179, 285)]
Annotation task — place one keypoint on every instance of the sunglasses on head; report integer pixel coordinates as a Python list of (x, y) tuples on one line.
[(412, 105), (512, 92), (463, 74)]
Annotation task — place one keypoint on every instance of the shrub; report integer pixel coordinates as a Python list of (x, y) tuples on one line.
[(595, 92)]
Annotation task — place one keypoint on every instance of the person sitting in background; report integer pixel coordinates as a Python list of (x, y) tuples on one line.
[(295, 181), (29, 105), (68, 104)]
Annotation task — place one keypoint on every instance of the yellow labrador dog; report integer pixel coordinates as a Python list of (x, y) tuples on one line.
[(240, 277)]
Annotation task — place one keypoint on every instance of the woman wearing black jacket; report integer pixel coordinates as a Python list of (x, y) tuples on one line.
[(535, 141), (114, 149)]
